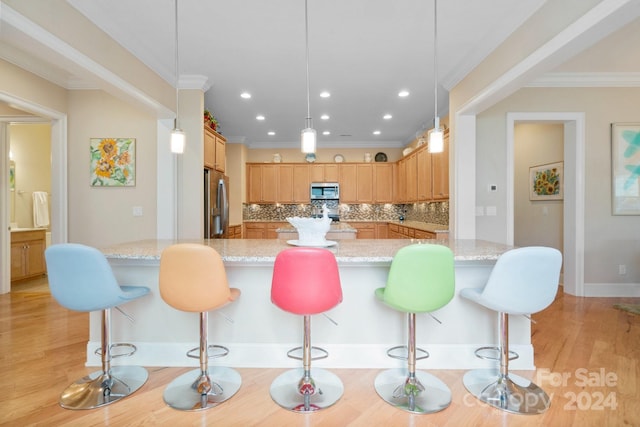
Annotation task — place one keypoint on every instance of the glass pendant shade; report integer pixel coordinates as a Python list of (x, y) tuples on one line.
[(436, 138), (177, 141), (308, 140)]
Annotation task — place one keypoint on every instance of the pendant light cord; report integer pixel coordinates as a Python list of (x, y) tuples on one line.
[(435, 59), (306, 37), (177, 78)]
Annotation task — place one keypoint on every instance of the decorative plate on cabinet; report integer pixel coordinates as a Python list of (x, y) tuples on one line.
[(381, 157), (310, 158), (338, 158)]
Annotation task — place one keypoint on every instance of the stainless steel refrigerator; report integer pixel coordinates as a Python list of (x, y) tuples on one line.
[(216, 205)]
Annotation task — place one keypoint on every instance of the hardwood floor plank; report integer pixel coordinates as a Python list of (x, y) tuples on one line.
[(42, 351)]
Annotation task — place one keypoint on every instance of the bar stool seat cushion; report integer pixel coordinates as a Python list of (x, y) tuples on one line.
[(89, 283), (309, 266)]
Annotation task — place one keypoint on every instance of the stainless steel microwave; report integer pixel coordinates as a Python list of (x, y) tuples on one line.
[(325, 191)]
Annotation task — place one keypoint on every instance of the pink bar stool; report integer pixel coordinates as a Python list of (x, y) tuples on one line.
[(305, 282), (193, 279)]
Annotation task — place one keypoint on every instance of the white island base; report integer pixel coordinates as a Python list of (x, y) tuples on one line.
[(258, 334)]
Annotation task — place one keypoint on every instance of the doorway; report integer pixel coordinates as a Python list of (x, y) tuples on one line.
[(573, 206), (59, 197)]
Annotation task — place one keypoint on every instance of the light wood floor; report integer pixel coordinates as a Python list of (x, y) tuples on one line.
[(42, 349)]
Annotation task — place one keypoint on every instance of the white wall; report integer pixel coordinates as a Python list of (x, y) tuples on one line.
[(100, 216), (30, 145), (609, 240), (536, 222)]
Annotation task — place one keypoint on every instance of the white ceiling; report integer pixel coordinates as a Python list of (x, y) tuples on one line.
[(362, 51)]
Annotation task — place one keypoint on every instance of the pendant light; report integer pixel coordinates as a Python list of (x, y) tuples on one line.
[(177, 135), (308, 144), (436, 135)]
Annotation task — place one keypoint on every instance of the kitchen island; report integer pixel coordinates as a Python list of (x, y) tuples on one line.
[(259, 334)]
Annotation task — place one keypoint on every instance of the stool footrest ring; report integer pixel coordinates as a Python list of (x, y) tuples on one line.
[(320, 353), (393, 353), (493, 353), (213, 351), (132, 350)]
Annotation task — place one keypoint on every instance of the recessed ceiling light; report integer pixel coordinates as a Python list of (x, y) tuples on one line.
[(324, 117), (326, 132), (376, 132), (403, 93), (259, 117), (245, 95), (271, 133), (387, 116), (324, 94)]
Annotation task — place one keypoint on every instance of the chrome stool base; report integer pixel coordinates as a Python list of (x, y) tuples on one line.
[(430, 393), (326, 389), (98, 389), (511, 393), (182, 393)]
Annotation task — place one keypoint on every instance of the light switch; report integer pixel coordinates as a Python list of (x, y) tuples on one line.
[(137, 211)]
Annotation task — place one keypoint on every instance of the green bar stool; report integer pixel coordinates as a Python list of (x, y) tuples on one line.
[(421, 280)]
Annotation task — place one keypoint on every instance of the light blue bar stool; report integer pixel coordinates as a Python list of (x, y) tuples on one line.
[(81, 279), (523, 281)]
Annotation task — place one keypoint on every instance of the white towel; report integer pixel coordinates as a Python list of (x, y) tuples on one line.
[(40, 209)]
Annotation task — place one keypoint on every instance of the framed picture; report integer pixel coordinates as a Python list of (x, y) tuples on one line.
[(625, 168), (546, 182), (12, 175), (113, 162)]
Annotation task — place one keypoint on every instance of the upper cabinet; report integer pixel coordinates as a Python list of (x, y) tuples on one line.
[(214, 150)]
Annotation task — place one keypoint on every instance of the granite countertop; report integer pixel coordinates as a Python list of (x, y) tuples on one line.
[(251, 251), (340, 227), (20, 229), (424, 226)]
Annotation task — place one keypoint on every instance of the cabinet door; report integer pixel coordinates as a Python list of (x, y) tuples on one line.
[(382, 231), (402, 181), (440, 165), (17, 260), (254, 230), (269, 183), (412, 180), (221, 157), (301, 189), (316, 173), (285, 184), (366, 230), (254, 183), (348, 183), (383, 183), (35, 258), (424, 175), (365, 182), (331, 173), (209, 149)]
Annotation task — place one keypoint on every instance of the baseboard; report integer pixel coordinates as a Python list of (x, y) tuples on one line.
[(612, 289), (340, 356)]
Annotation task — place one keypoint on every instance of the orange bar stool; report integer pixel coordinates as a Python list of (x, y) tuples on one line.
[(421, 280), (81, 279), (193, 279), (305, 282), (523, 281)]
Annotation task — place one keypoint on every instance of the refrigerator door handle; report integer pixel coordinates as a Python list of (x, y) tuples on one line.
[(222, 205)]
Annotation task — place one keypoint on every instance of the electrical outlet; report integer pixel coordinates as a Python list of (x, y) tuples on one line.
[(622, 269), (137, 211)]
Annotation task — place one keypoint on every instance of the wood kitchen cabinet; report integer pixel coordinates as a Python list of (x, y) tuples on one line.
[(411, 178), (347, 179), (27, 254), (383, 183), (364, 182), (397, 231), (214, 150), (262, 230), (262, 182), (423, 160), (235, 231), (323, 172), (382, 230), (366, 230)]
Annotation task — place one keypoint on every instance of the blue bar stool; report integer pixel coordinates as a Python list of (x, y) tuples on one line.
[(523, 281), (421, 280), (193, 279), (81, 279), (306, 281)]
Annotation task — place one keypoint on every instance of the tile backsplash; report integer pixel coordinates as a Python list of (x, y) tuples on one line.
[(432, 212)]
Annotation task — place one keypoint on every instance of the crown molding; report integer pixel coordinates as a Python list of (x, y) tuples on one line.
[(587, 80)]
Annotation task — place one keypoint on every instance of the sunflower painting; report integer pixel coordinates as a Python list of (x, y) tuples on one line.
[(113, 162), (546, 182)]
